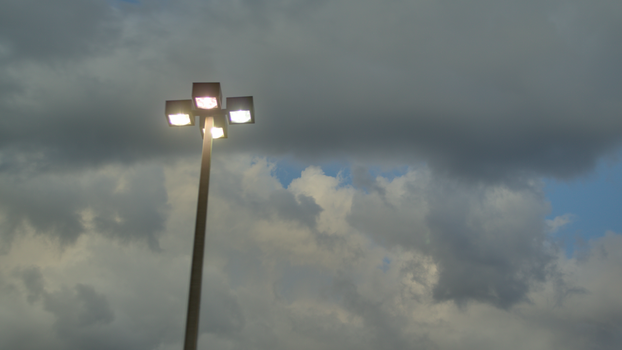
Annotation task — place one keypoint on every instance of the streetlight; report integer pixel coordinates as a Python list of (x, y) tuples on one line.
[(206, 104)]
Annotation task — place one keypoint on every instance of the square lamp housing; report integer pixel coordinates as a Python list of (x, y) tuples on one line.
[(206, 95), (220, 126), (240, 110), (179, 113)]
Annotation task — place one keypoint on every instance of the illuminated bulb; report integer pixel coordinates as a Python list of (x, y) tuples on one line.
[(206, 102), (179, 119), (240, 116), (216, 133)]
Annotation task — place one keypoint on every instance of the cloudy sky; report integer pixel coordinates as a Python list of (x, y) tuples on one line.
[(425, 174)]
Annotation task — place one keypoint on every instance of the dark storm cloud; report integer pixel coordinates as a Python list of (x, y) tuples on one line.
[(86, 125), (299, 208), (79, 312), (362, 178), (488, 242), (487, 90), (51, 208), (33, 281), (126, 205), (66, 104), (492, 90), (81, 307), (482, 254), (50, 31)]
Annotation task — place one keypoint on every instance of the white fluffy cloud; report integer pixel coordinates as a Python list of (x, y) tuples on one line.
[(318, 265)]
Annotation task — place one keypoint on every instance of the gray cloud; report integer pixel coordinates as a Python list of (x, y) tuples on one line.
[(60, 31), (80, 313), (301, 208), (362, 178), (80, 309), (485, 253), (129, 205), (82, 316), (33, 281), (222, 314), (491, 91), (77, 308), (485, 94), (384, 328), (483, 98)]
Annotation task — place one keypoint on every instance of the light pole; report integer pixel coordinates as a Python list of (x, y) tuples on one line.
[(206, 104)]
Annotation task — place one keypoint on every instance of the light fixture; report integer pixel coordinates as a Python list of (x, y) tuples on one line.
[(205, 103), (179, 113), (220, 129), (238, 117), (241, 110), (206, 95), (217, 132)]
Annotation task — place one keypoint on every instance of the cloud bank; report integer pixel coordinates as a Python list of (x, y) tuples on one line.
[(490, 91), (320, 265)]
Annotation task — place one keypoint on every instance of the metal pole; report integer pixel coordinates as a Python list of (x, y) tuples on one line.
[(196, 272)]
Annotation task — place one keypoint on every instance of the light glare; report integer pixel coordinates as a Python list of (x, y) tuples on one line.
[(240, 116), (206, 102), (179, 119), (216, 132)]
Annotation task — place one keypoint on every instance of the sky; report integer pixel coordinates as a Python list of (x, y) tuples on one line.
[(422, 175)]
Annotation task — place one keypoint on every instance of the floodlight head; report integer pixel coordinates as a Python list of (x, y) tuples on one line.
[(217, 133), (206, 95), (220, 130), (179, 113), (240, 110)]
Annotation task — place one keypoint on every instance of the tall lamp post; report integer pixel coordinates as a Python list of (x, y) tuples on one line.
[(206, 103)]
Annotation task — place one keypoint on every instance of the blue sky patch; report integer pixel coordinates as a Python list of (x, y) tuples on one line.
[(594, 203)]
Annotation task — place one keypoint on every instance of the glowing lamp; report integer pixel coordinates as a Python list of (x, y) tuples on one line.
[(239, 117), (217, 133), (179, 113), (219, 130), (206, 95), (240, 110), (206, 102)]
